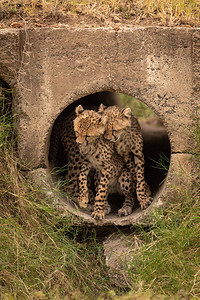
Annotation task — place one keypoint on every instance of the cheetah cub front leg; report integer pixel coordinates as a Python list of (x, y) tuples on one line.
[(101, 206), (128, 187), (143, 191), (83, 198), (97, 178)]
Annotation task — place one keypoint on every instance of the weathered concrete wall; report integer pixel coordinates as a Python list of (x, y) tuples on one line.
[(156, 65), (52, 67), (9, 55)]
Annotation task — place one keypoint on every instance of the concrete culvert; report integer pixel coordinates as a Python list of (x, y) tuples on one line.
[(51, 68), (64, 163)]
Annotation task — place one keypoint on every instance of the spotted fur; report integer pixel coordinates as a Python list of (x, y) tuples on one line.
[(100, 153), (63, 137), (124, 131)]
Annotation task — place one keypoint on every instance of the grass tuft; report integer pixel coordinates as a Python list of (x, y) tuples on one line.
[(170, 257), (172, 11)]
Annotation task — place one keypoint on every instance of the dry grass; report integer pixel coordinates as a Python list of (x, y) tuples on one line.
[(108, 12), (172, 11)]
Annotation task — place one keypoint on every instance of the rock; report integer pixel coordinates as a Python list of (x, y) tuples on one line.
[(119, 250)]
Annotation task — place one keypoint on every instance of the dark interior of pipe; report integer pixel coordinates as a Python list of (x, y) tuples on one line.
[(156, 148)]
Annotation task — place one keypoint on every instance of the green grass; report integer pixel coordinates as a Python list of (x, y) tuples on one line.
[(169, 260), (39, 249)]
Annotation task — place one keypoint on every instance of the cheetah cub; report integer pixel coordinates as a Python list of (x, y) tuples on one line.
[(99, 153), (63, 136), (123, 129)]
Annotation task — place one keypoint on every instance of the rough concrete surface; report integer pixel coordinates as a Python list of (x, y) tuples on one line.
[(9, 55), (50, 68), (59, 66)]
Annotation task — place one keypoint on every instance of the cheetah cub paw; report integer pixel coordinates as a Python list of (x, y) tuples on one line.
[(124, 211), (107, 208), (83, 201), (98, 215), (146, 203)]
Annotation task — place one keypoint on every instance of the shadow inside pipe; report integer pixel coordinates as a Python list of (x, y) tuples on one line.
[(156, 142)]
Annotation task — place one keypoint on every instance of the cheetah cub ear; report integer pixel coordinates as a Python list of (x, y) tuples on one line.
[(79, 109), (102, 108), (127, 112)]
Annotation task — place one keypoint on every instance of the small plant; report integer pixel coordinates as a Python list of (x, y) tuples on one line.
[(162, 163)]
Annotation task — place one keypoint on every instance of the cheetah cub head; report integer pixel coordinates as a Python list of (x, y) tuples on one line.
[(118, 119), (89, 125)]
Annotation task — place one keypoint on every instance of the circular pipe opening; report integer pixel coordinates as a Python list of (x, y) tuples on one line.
[(156, 151)]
